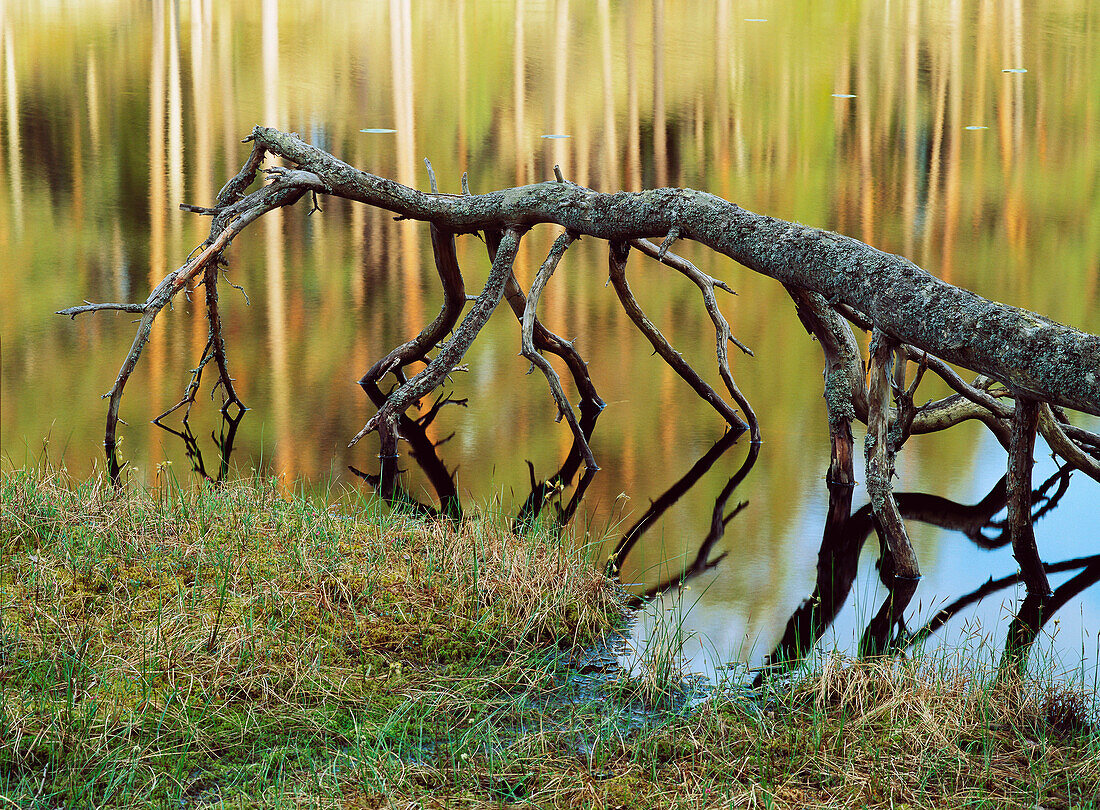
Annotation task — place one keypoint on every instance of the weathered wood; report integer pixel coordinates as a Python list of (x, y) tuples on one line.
[(1025, 351), (1025, 421), (880, 464), (1029, 367)]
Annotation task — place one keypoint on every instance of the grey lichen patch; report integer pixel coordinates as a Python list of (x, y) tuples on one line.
[(878, 489), (838, 398)]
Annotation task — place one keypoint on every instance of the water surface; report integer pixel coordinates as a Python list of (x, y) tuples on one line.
[(908, 125)]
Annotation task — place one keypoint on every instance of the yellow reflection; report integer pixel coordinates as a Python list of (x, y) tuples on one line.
[(91, 89), (524, 157), (176, 182), (660, 142), (912, 126), (286, 455), (158, 227), (610, 156), (463, 84), (202, 179), (15, 154), (953, 181), (559, 149), (633, 113), (405, 123)]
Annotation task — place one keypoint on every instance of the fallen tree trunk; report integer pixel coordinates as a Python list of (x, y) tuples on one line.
[(1022, 350), (835, 281)]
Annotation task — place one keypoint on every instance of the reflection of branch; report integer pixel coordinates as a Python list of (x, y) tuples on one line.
[(837, 564), (667, 499), (719, 519), (386, 419), (214, 350), (948, 612), (223, 440), (454, 299), (702, 562), (1036, 610), (838, 559)]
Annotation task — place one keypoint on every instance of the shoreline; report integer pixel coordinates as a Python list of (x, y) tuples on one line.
[(233, 646)]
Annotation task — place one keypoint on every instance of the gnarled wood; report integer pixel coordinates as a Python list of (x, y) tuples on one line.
[(1029, 367)]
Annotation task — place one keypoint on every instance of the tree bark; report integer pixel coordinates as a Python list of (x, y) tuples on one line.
[(1021, 349)]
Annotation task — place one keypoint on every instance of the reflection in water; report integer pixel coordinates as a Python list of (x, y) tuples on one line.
[(15, 151), (895, 162), (843, 540), (231, 416), (405, 123), (158, 190), (286, 456)]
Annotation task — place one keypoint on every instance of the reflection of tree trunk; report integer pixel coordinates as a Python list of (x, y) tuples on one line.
[(519, 99), (158, 188), (610, 152), (15, 152), (912, 126), (660, 132), (633, 116), (559, 147), (842, 543), (286, 458), (424, 452), (1035, 611), (405, 123)]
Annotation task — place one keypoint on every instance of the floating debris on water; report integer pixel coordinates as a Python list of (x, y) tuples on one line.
[(844, 95), (976, 127), (557, 136), (374, 131), (755, 19), (1014, 70)]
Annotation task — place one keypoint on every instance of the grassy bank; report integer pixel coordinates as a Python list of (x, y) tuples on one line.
[(236, 647)]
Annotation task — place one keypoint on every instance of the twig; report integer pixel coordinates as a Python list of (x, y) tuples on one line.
[(88, 306)]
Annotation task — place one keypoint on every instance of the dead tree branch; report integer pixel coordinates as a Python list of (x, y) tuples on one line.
[(1030, 368)]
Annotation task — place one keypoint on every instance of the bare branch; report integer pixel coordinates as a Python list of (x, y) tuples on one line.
[(385, 420), (618, 257), (431, 177), (1019, 349), (723, 335), (528, 344), (88, 306), (880, 463)]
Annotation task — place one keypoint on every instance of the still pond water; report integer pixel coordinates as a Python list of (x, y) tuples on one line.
[(965, 136)]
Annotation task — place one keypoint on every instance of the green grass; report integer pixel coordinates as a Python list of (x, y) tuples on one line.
[(239, 647)]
